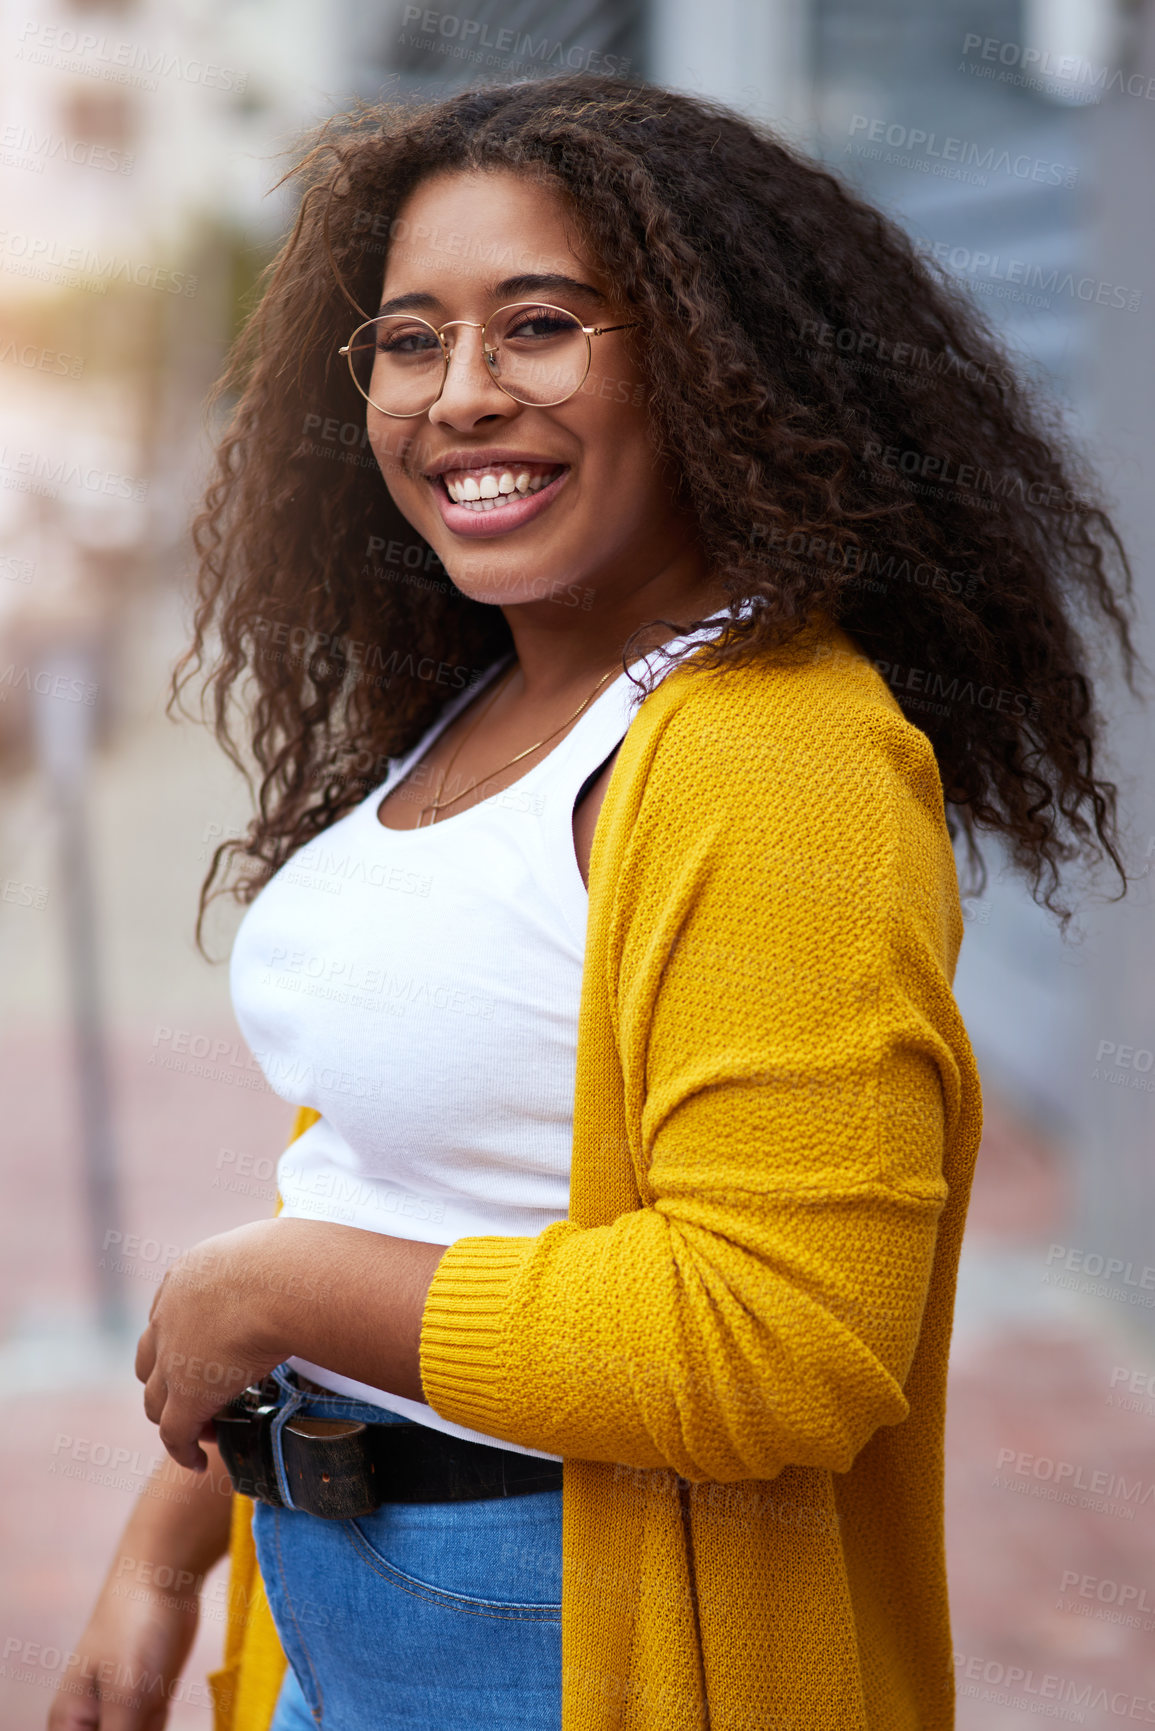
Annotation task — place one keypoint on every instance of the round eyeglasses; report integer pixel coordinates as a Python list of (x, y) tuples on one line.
[(537, 354)]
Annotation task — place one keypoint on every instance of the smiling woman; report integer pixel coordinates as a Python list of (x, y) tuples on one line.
[(594, 1369), (531, 353)]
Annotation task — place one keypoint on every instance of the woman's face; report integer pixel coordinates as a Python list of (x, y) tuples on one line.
[(590, 514)]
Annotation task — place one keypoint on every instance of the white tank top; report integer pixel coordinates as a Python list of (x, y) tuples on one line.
[(420, 989)]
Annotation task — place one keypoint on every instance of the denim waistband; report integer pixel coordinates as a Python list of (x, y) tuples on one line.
[(294, 1401), (312, 1404), (331, 1405)]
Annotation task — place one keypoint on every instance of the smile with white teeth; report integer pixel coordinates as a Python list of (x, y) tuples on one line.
[(488, 489)]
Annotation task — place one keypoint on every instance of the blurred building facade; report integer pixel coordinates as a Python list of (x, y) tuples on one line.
[(140, 145)]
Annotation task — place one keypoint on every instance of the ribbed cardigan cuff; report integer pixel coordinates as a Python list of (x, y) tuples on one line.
[(464, 1330)]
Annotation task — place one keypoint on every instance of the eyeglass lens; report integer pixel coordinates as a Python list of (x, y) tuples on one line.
[(538, 354)]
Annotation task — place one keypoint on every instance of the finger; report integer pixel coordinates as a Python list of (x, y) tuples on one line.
[(178, 1430), (155, 1396), (145, 1354), (128, 1709)]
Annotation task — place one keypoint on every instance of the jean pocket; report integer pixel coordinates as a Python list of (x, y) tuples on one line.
[(496, 1557)]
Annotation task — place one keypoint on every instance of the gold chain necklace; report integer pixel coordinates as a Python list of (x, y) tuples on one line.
[(438, 803)]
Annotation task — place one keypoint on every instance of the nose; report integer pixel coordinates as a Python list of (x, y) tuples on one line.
[(469, 394)]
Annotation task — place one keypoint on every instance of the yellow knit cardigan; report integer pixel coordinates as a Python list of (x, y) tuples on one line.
[(738, 1339)]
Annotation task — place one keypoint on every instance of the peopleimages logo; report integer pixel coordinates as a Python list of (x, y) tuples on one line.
[(1041, 69), (95, 55), (24, 147), (50, 472), (46, 684), (1105, 1591), (445, 32), (1020, 277), (38, 359), (1094, 1263), (915, 143), (1022, 1687), (1073, 1483), (40, 255)]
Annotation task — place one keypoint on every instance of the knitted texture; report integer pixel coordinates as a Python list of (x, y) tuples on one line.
[(738, 1340)]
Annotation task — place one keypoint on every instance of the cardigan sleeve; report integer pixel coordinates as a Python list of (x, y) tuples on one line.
[(784, 926)]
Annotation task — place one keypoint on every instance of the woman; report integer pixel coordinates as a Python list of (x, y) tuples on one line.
[(611, 756)]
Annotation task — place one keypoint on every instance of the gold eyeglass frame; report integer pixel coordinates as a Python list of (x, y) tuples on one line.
[(490, 354)]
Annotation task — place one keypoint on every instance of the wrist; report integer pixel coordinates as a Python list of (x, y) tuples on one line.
[(346, 1298), (280, 1285), (142, 1589)]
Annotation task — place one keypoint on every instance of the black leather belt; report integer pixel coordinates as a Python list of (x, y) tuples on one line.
[(339, 1468)]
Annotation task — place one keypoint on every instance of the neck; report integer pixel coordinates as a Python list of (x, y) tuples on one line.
[(563, 644)]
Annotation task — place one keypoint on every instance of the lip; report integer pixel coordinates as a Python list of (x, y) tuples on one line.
[(522, 507), (487, 457)]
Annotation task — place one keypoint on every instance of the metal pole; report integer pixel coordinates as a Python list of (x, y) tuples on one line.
[(64, 738)]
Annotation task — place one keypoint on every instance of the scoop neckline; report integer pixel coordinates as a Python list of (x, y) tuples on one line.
[(377, 798)]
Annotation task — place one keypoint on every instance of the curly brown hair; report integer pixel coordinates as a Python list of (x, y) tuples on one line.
[(847, 430)]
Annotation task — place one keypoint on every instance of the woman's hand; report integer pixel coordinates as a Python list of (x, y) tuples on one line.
[(236, 1305), (127, 1663), (212, 1330)]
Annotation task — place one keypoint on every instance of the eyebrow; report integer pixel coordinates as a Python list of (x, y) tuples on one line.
[(515, 287)]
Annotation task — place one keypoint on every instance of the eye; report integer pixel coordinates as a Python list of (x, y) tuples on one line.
[(407, 340), (538, 324)]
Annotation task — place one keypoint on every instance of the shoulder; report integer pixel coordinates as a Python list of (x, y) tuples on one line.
[(812, 719), (795, 779)]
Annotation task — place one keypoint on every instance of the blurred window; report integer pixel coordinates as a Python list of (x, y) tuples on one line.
[(99, 117)]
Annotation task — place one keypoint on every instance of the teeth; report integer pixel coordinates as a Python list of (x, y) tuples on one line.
[(482, 490)]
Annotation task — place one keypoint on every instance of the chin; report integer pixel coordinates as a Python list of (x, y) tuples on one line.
[(503, 588), (500, 575)]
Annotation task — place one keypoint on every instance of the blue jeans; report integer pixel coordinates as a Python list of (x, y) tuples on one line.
[(428, 1616)]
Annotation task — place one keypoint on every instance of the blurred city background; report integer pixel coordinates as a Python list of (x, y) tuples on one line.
[(139, 144)]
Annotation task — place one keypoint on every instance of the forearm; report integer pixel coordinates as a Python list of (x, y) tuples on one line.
[(354, 1302), (124, 1666), (720, 1341), (180, 1522)]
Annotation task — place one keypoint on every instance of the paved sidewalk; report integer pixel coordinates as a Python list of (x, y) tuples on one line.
[(1050, 1466)]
